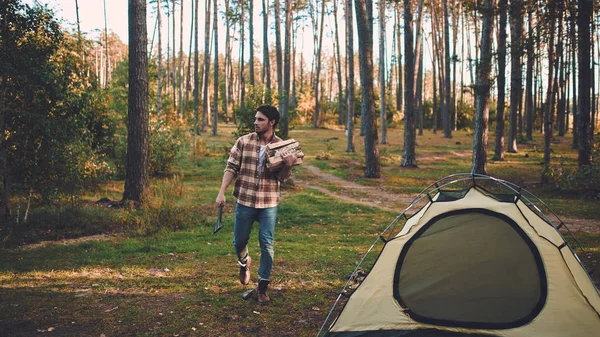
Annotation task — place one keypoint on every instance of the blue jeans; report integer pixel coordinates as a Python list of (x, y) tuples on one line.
[(242, 225)]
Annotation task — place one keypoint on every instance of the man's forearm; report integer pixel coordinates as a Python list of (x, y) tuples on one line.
[(227, 179)]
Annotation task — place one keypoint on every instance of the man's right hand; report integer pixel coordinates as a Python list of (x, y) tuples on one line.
[(220, 199)]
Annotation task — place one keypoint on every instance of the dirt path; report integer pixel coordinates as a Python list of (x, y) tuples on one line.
[(377, 197), (354, 193)]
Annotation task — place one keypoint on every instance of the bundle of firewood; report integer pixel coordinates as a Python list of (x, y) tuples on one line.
[(274, 159)]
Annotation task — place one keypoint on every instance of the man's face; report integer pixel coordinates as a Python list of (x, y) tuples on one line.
[(262, 123)]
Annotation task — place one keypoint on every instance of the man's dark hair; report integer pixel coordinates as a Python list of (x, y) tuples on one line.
[(271, 112)]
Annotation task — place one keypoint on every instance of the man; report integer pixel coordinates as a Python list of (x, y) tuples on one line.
[(257, 192)]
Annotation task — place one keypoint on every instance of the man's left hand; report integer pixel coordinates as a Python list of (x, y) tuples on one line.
[(289, 158)]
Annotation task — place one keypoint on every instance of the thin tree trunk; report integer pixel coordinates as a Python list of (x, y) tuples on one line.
[(251, 41), (364, 17), (278, 48), (174, 78), (284, 127), (585, 10), (409, 158), (399, 90), (159, 54), (228, 67), (500, 104), (180, 71), (215, 72), (136, 177), (350, 80), (196, 74), (529, 108), (242, 80), (482, 90), (266, 74), (516, 77), (341, 112), (446, 107), (188, 80), (206, 68), (107, 66), (548, 116), (316, 116), (382, 71)]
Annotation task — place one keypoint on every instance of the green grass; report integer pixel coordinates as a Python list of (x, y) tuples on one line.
[(184, 282)]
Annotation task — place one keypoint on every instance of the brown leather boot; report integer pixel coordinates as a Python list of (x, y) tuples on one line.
[(262, 291), (245, 270)]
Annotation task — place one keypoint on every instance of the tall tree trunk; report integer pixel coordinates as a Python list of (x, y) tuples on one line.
[(206, 68), (350, 79), (409, 158), (585, 10), (529, 112), (228, 66), (434, 66), (548, 116), (399, 90), (251, 41), (341, 112), (500, 103), (188, 79), (382, 71), (266, 73), (180, 71), (561, 107), (159, 54), (455, 18), (574, 44), (278, 48), (196, 73), (107, 60), (136, 177), (419, 92), (215, 72), (516, 76), (482, 90), (242, 80), (364, 17), (316, 116), (284, 127), (174, 56), (446, 107)]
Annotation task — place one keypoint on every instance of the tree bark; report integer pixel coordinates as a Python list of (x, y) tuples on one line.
[(341, 112), (278, 48), (548, 116), (500, 103), (266, 74), (529, 112), (364, 15), (482, 90), (316, 116), (215, 72), (350, 80), (409, 158), (206, 68), (584, 140), (382, 71), (399, 90), (159, 54), (136, 179), (251, 41), (446, 106), (284, 127), (196, 74), (516, 76)]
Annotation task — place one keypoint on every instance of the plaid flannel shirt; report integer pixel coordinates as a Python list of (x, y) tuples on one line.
[(250, 189)]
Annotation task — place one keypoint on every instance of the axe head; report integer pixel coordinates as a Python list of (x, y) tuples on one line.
[(218, 226)]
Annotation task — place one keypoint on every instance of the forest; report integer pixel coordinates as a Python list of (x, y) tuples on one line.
[(125, 142)]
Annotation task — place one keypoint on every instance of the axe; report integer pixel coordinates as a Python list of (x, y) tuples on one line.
[(218, 226)]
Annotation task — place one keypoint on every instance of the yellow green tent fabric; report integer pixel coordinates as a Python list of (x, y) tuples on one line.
[(474, 266)]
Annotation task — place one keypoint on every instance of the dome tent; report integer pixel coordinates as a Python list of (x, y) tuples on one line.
[(478, 259)]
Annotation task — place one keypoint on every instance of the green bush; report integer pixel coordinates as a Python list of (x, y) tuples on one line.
[(584, 180), (166, 145)]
